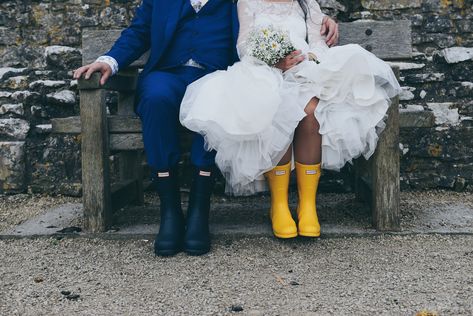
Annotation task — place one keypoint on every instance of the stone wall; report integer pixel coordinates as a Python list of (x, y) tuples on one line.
[(40, 44)]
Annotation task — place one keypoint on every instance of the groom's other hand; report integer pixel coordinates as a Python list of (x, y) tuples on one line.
[(290, 61), (88, 70), (330, 30)]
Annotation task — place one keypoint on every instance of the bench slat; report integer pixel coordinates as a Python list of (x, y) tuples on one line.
[(116, 124), (386, 39), (123, 142)]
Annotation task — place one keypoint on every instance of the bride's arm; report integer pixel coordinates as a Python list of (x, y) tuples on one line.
[(246, 19), (317, 42)]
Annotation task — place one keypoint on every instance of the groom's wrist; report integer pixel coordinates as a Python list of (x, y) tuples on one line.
[(109, 60)]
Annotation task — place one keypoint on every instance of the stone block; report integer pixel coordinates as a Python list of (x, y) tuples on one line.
[(8, 36), (40, 85), (64, 97), (14, 128), (12, 166), (425, 77), (390, 4), (15, 83), (407, 94), (25, 55), (12, 109), (453, 55), (10, 71), (62, 57)]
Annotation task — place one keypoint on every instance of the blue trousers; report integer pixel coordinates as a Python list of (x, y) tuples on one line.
[(159, 98)]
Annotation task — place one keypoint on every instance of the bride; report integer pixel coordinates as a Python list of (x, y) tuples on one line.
[(319, 107)]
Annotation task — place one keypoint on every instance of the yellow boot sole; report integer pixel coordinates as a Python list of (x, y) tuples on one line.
[(285, 236), (309, 234)]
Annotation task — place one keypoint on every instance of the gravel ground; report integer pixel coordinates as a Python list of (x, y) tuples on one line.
[(389, 275), (15, 209)]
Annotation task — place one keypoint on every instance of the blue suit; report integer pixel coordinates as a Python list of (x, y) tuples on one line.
[(175, 33)]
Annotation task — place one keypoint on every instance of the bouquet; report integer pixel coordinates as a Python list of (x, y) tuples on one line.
[(269, 44)]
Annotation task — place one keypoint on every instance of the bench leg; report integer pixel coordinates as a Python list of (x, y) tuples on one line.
[(95, 161), (385, 175)]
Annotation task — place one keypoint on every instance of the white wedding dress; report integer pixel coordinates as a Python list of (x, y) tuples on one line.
[(249, 112)]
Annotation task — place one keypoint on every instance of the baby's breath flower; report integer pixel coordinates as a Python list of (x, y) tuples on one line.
[(269, 45)]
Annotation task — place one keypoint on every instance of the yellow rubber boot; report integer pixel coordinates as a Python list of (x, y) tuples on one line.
[(283, 224), (307, 182)]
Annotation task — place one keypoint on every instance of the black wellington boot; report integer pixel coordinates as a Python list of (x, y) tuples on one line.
[(197, 240), (170, 239)]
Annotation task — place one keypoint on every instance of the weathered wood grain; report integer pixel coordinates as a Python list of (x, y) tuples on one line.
[(385, 173), (116, 124), (95, 161), (123, 142), (386, 39), (97, 42), (66, 125), (116, 83)]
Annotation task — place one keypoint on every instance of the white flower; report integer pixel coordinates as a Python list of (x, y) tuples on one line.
[(269, 44)]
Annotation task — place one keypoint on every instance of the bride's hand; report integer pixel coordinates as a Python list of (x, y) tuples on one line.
[(290, 61), (330, 30)]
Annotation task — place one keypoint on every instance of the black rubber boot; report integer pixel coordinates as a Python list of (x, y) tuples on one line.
[(170, 239), (197, 240)]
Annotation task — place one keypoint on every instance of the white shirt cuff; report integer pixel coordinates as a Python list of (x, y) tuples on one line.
[(109, 61)]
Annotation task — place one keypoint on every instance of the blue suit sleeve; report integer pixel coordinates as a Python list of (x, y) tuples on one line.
[(136, 39)]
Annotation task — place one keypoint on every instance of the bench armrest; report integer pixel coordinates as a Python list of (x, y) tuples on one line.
[(119, 82)]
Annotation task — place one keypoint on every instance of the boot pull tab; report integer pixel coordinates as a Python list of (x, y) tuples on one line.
[(205, 173)]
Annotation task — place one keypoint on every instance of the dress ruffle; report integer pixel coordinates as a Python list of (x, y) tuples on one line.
[(249, 113), (355, 90)]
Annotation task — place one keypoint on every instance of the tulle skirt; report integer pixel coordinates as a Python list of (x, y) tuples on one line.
[(249, 112)]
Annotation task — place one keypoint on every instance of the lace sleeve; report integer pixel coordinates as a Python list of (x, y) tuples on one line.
[(246, 19), (317, 44)]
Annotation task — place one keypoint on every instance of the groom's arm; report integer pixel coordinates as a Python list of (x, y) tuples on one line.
[(132, 43), (134, 40)]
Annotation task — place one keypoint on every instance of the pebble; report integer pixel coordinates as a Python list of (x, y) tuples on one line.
[(236, 308)]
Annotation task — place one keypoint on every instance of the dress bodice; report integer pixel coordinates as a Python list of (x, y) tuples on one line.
[(287, 16)]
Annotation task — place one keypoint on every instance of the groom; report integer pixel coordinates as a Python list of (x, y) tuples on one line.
[(187, 39)]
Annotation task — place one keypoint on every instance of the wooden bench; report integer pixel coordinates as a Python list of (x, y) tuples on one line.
[(376, 180)]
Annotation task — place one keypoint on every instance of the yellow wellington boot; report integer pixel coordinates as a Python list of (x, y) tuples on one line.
[(307, 182), (281, 218)]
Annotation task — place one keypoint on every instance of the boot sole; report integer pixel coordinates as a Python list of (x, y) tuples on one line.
[(288, 236), (309, 234), (196, 253), (167, 253)]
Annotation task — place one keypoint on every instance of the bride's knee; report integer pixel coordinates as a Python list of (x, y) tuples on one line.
[(311, 106)]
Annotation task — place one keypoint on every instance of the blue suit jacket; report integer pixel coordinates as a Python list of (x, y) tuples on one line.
[(152, 29)]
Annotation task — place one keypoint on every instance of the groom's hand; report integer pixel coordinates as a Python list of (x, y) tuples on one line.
[(88, 70), (290, 61), (330, 30)]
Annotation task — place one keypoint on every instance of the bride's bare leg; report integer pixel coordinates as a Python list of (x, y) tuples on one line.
[(287, 157), (307, 140), (307, 148)]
